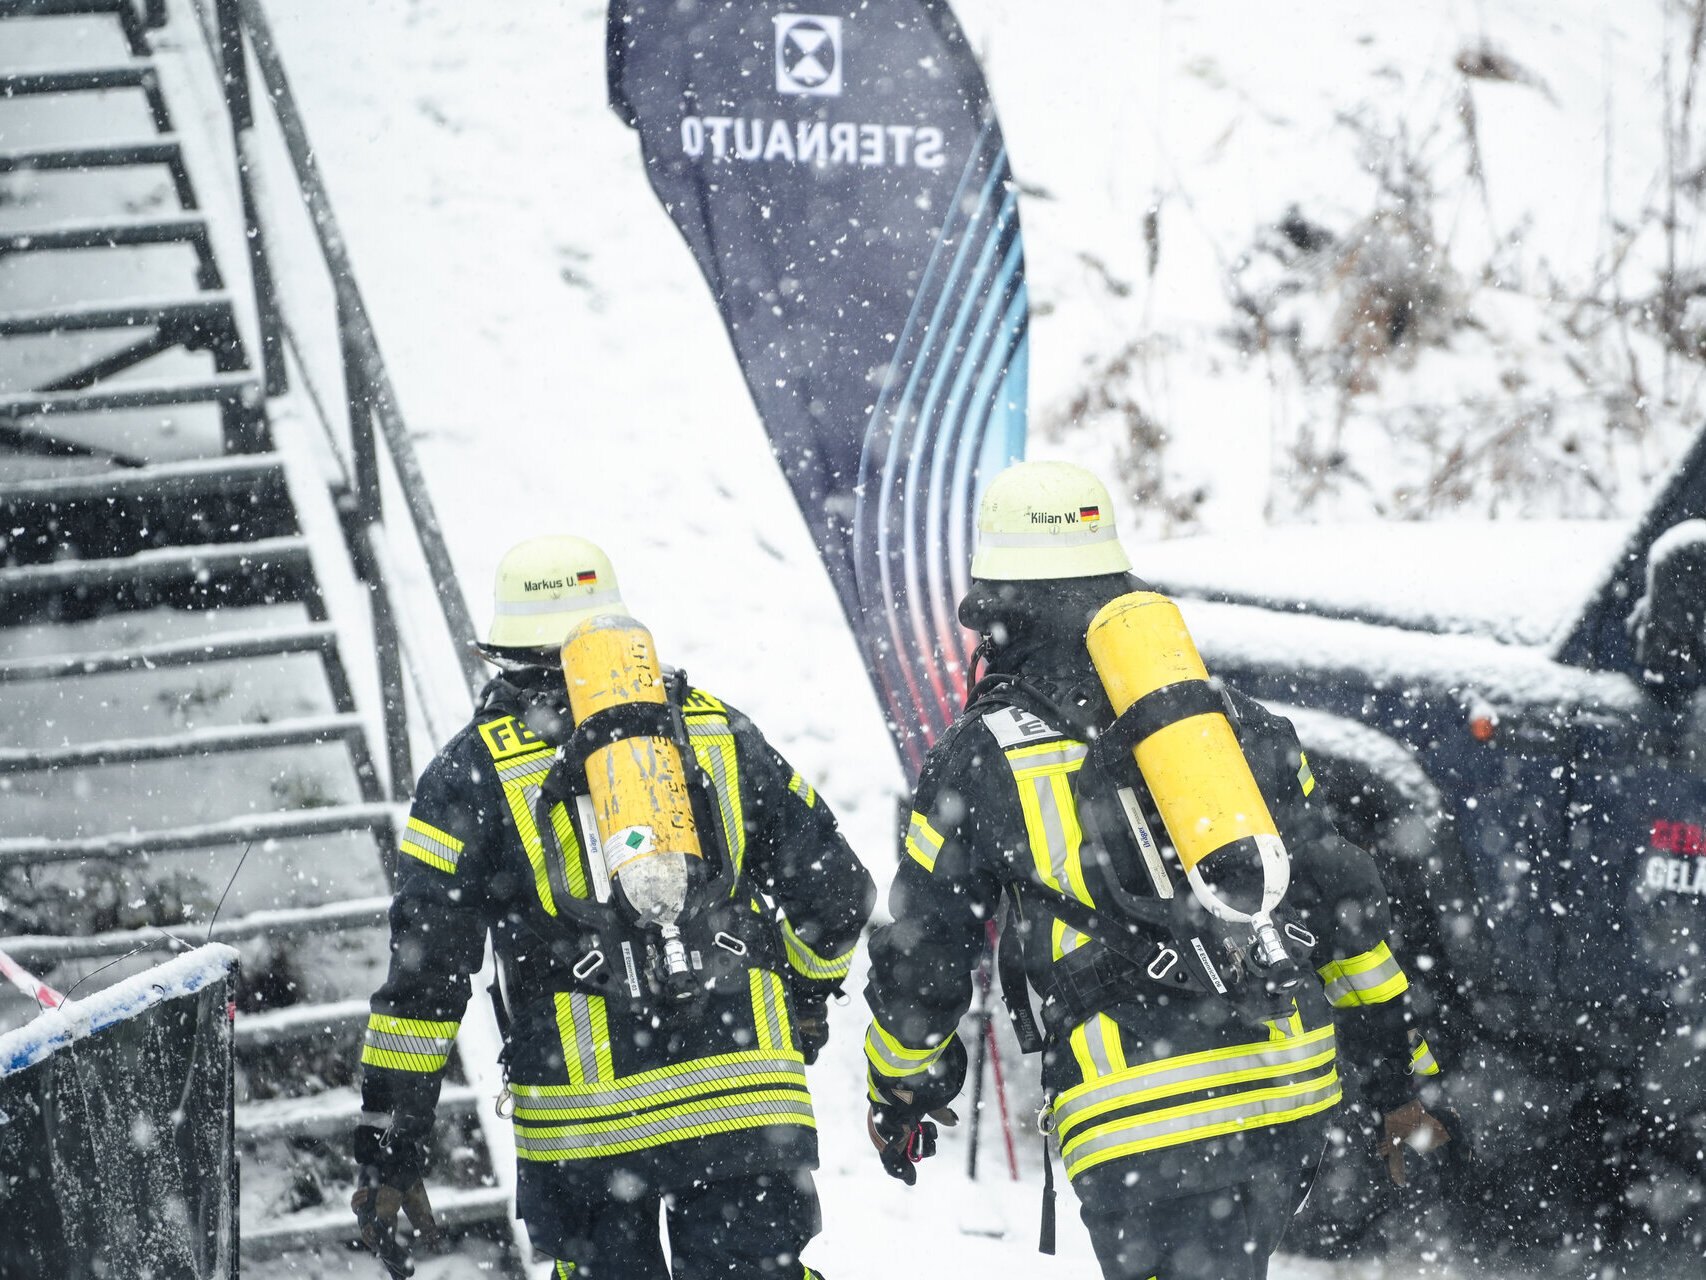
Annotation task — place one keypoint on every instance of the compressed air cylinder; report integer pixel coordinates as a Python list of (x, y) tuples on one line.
[(638, 783), (1190, 758)]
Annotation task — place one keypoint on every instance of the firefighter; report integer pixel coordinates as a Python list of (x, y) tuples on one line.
[(624, 1099), (1189, 1094)]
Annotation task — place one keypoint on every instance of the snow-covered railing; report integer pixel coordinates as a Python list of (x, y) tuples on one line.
[(117, 1134)]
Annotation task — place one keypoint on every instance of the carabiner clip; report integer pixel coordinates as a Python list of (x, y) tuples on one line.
[(728, 942)]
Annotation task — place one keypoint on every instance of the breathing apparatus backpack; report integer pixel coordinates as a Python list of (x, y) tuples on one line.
[(607, 944), (1201, 915)]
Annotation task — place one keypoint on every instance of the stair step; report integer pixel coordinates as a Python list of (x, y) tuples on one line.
[(106, 233), (197, 477), (101, 155), (124, 10), (195, 743), (164, 565), (332, 1114), (163, 149), (222, 388), (229, 646), (381, 819), (343, 1020), (212, 310), (334, 1226), (336, 917)]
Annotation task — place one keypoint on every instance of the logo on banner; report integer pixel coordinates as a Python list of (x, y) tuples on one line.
[(808, 54)]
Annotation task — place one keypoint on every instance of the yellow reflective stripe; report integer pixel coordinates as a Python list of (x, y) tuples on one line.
[(620, 1098), (407, 1044), (699, 701), (1188, 1071), (1196, 1122), (1111, 1095), (1374, 977), (659, 1076), (1305, 778), (1043, 775), (1096, 1045), (769, 1010), (518, 779), (434, 835), (1065, 941), (584, 1028), (803, 789), (1422, 1061), (422, 854), (700, 1119), (810, 964), (922, 841), (714, 747), (890, 1058), (570, 844)]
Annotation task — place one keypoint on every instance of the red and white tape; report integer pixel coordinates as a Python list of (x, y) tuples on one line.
[(28, 983)]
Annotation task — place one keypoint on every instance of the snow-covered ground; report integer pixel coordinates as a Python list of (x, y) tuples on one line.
[(563, 368)]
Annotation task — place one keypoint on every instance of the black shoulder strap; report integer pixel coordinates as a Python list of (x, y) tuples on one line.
[(1010, 972)]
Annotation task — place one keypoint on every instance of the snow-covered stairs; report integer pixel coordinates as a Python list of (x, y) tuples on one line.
[(192, 741)]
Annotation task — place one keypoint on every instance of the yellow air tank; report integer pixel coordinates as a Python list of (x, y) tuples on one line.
[(638, 782), (1191, 761)]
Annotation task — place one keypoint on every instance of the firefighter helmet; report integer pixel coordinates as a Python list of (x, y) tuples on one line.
[(544, 587), (1046, 520)]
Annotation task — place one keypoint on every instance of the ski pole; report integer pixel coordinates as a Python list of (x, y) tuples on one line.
[(995, 1061), (984, 1040)]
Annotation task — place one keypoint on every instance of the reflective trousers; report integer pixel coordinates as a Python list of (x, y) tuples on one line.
[(746, 1228)]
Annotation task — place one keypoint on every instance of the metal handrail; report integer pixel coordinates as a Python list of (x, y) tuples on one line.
[(243, 30)]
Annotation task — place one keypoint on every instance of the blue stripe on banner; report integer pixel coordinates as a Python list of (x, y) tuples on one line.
[(959, 370), (940, 424), (996, 435)]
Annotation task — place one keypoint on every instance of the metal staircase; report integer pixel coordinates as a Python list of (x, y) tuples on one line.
[(207, 715)]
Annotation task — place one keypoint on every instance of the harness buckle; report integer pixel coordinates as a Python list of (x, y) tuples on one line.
[(1298, 934), (588, 964), (728, 942), (1163, 963)]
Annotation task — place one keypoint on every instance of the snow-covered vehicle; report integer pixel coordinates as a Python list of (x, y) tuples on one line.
[(1539, 810)]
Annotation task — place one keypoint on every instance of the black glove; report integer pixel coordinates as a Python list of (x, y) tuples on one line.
[(389, 1180), (897, 1123), (811, 1017)]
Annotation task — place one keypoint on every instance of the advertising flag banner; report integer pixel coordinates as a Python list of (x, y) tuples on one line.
[(841, 179)]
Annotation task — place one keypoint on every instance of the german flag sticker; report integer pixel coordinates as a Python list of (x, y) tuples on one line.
[(587, 578), (1089, 513)]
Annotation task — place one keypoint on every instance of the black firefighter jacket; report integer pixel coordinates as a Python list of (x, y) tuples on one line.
[(599, 1084), (1164, 1092)]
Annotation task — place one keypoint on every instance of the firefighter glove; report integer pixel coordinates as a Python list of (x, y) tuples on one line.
[(900, 1119), (389, 1181), (1411, 1126), (811, 1022)]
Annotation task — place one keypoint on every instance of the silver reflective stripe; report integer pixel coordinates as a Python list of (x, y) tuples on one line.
[(1095, 1032), (1348, 987), (1070, 536), (1054, 830), (376, 1119), (580, 1013), (1069, 754), (1278, 1060), (534, 766), (721, 1076), (879, 1048), (647, 1132), (431, 1046), (717, 733), (1239, 1112), (415, 836), (770, 986), (560, 604)]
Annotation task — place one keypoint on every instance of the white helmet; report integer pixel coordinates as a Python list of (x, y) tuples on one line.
[(1046, 520), (547, 585)]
